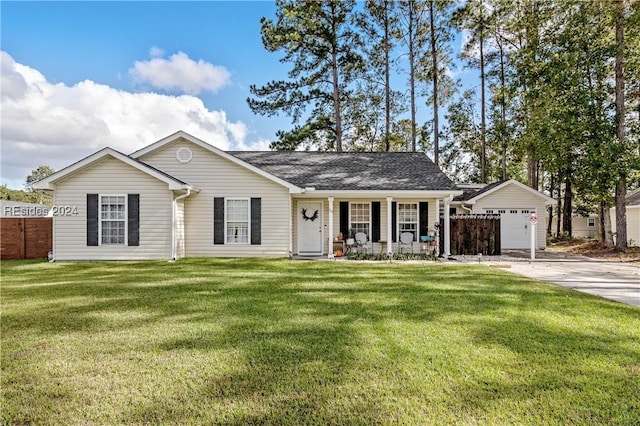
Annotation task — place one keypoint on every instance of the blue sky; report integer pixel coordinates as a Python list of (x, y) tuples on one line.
[(78, 76)]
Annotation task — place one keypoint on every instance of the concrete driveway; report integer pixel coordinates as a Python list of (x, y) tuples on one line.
[(611, 280)]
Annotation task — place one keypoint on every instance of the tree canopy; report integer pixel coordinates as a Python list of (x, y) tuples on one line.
[(381, 76)]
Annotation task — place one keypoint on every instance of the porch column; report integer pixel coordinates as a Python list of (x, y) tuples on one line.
[(330, 233), (447, 227), (389, 226), (290, 227)]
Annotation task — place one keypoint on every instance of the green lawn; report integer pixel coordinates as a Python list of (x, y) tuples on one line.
[(211, 341)]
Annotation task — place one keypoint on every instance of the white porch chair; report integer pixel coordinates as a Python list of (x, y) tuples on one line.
[(361, 241), (406, 240)]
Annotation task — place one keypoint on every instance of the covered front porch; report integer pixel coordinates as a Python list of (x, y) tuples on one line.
[(391, 222)]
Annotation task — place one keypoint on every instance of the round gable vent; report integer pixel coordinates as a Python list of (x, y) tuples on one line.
[(184, 154)]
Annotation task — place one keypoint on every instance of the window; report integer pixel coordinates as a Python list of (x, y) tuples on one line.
[(237, 220), (591, 222), (408, 218), (113, 219), (360, 218)]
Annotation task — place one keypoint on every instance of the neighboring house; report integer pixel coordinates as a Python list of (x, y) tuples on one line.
[(581, 226), (183, 197), (514, 202), (633, 218)]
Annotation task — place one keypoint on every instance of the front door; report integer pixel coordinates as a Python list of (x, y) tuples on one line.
[(309, 217)]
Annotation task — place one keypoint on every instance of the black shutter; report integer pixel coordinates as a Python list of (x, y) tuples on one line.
[(218, 220), (133, 219), (375, 218), (256, 213), (92, 219), (423, 224), (393, 220), (344, 218)]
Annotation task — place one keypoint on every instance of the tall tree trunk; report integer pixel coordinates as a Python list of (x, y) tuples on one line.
[(567, 208), (532, 169), (434, 70), (559, 211), (621, 186), (483, 151), (337, 107), (602, 234), (606, 225), (550, 210), (532, 38), (412, 76), (503, 119), (387, 84)]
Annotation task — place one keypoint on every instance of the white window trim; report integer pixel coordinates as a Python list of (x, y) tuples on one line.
[(591, 222), (417, 222), (236, 243), (126, 219), (369, 222)]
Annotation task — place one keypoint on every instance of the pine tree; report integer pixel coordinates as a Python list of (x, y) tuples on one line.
[(319, 40)]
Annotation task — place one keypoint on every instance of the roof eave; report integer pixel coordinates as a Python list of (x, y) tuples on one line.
[(50, 181), (547, 200), (379, 193)]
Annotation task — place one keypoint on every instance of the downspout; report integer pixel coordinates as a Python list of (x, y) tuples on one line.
[(174, 223), (447, 227)]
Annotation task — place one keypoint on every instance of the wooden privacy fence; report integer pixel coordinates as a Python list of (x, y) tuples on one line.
[(25, 237), (473, 234)]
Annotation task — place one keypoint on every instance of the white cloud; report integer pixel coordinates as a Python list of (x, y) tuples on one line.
[(180, 73), (156, 52), (56, 124)]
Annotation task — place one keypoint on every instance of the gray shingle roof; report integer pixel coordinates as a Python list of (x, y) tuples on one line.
[(472, 193), (351, 170), (633, 198)]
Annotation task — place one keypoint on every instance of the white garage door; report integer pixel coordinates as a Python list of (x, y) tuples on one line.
[(514, 227)]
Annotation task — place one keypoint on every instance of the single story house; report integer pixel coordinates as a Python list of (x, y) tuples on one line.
[(515, 203), (633, 218), (181, 196), (581, 226)]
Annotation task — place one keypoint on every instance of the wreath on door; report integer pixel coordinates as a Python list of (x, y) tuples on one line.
[(313, 217)]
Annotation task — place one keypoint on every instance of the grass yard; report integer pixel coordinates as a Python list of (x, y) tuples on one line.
[(220, 341)]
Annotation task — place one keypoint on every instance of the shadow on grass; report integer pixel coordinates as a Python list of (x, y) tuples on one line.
[(318, 343)]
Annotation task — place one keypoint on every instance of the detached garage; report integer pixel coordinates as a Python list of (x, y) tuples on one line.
[(514, 202)]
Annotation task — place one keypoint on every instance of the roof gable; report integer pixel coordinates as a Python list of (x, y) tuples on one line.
[(473, 196), (79, 166), (224, 154)]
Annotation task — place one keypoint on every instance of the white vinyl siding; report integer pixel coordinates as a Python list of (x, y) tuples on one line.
[(112, 176), (580, 226), (633, 224), (511, 197), (215, 176), (180, 243)]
